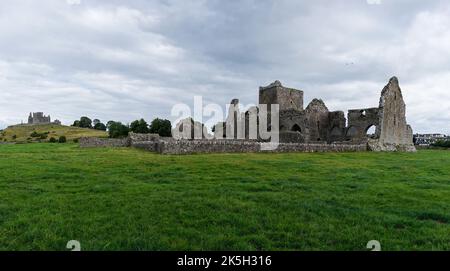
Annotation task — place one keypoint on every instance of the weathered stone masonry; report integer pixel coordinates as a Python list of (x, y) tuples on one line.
[(94, 142), (156, 144), (242, 146), (314, 129), (316, 124)]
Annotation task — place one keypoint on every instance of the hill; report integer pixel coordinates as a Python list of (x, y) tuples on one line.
[(43, 132)]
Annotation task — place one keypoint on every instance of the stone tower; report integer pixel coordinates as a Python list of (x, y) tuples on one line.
[(287, 98)]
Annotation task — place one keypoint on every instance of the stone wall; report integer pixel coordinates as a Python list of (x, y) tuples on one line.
[(317, 116), (156, 144), (360, 121), (143, 137), (152, 146), (95, 142), (240, 146), (207, 146), (294, 147), (394, 131)]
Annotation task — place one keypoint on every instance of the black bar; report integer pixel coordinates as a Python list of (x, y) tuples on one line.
[(278, 260)]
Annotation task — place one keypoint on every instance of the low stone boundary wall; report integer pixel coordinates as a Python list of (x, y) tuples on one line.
[(143, 137), (151, 146), (170, 146), (207, 146), (304, 147), (236, 146), (95, 142)]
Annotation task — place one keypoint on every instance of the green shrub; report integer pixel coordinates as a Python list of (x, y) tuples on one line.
[(76, 140), (442, 144), (62, 139), (52, 140), (39, 135)]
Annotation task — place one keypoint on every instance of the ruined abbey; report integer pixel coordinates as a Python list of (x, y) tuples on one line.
[(310, 129), (316, 124)]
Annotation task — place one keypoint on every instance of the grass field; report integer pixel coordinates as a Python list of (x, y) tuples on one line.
[(22, 133), (127, 199)]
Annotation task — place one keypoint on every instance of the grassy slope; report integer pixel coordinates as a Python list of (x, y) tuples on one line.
[(126, 199), (23, 132)]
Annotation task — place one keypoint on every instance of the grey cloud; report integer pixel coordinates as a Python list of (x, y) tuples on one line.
[(128, 59)]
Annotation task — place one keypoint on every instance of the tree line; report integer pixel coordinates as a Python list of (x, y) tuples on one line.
[(117, 129), (442, 144)]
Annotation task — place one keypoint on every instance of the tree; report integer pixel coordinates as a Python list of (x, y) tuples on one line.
[(442, 144), (161, 127), (100, 126), (139, 127), (95, 122), (109, 123), (85, 122), (118, 130), (52, 140)]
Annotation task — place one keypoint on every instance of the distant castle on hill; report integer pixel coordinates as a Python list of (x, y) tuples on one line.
[(40, 118)]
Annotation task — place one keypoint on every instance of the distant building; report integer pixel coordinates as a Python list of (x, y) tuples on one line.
[(40, 118), (428, 139)]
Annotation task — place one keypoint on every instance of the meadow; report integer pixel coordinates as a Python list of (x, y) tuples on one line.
[(128, 199), (23, 133)]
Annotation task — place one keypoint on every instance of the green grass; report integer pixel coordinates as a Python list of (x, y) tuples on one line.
[(22, 133), (127, 199)]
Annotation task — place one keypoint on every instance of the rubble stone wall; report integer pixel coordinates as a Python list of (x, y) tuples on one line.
[(95, 142), (239, 146)]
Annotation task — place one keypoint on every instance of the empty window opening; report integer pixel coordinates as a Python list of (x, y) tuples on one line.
[(371, 131), (296, 128)]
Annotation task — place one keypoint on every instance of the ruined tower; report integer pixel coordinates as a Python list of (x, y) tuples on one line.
[(393, 132)]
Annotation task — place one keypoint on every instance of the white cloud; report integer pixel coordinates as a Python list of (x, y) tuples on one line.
[(126, 60)]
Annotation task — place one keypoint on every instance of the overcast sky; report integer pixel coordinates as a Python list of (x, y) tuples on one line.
[(123, 60)]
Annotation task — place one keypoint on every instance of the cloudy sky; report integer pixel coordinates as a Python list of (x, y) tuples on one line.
[(124, 60)]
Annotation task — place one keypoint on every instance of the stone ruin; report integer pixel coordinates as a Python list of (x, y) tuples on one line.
[(310, 129), (40, 118), (315, 124)]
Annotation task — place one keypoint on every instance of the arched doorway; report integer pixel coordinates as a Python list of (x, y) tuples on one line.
[(296, 128), (371, 131)]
